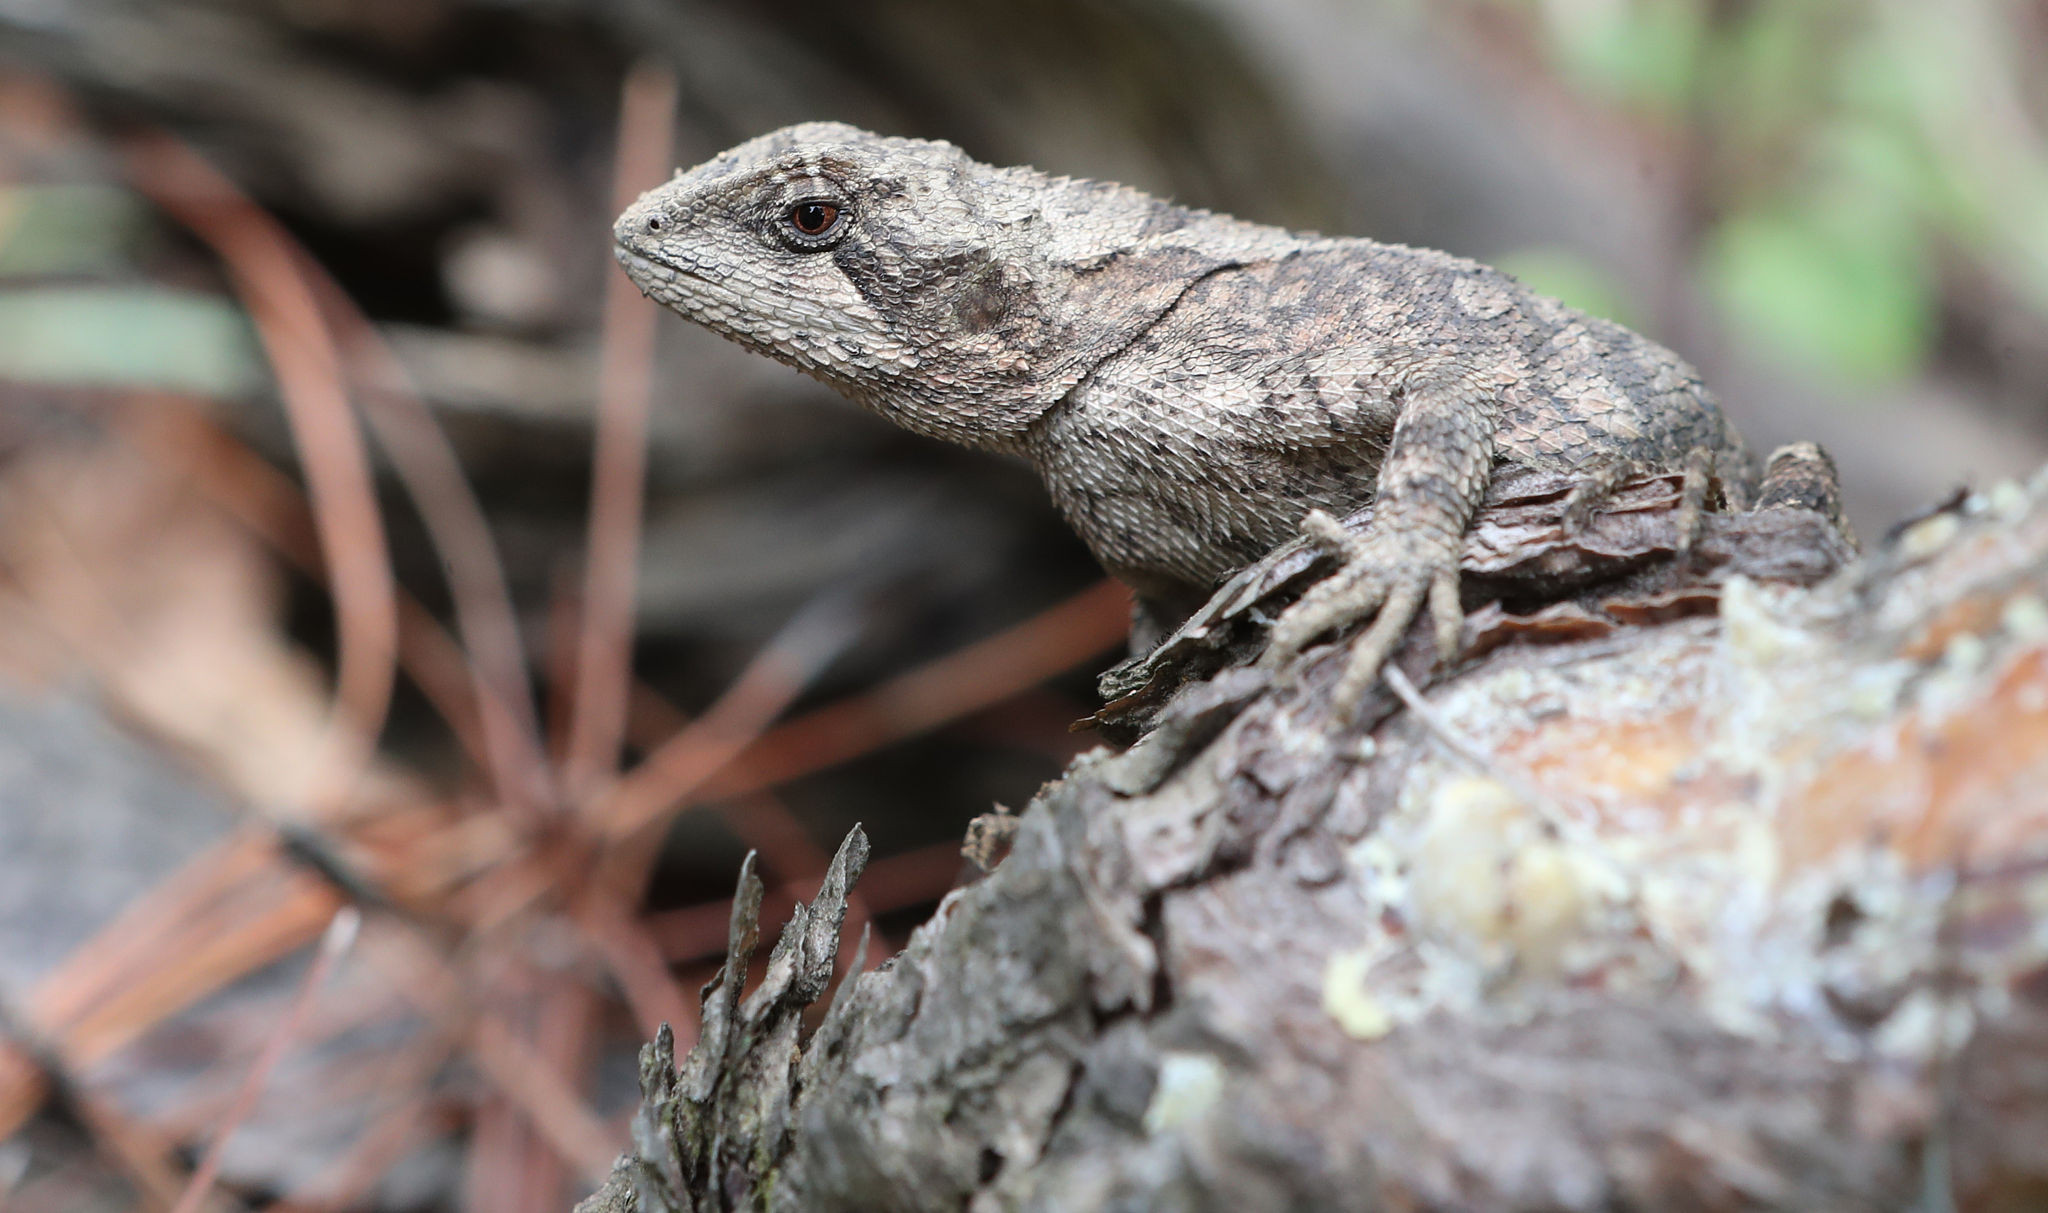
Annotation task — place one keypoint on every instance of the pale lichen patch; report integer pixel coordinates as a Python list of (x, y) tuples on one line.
[(1928, 536), (1188, 1086), (1347, 1001)]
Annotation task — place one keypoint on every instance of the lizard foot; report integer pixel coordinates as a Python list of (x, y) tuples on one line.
[(1387, 574), (1701, 471), (1596, 483)]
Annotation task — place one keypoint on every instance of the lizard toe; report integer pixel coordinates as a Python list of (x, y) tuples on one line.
[(1370, 651), (1348, 595), (1446, 613), (1322, 529), (1595, 485)]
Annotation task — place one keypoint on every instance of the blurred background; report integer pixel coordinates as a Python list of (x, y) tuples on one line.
[(364, 802)]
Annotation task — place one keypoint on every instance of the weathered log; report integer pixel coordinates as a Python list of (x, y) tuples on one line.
[(1720, 882)]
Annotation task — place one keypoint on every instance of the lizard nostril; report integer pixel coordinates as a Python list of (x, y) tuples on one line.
[(654, 223)]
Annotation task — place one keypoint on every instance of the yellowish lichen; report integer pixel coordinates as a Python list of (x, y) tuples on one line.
[(1487, 877), (1751, 625), (2025, 618), (1189, 1084), (2008, 499), (1929, 535), (1345, 999)]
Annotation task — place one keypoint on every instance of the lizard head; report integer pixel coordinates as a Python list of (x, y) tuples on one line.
[(959, 299)]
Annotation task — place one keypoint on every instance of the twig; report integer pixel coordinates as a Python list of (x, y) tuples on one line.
[(604, 649), (421, 975), (564, 1020), (1559, 822), (341, 932), (719, 757), (961, 683), (257, 255), (427, 465), (432, 475), (634, 958), (397, 1132), (227, 474), (775, 677), (106, 959), (145, 1155), (224, 922), (661, 785), (552, 1105), (142, 1153), (209, 955), (761, 821), (499, 1140)]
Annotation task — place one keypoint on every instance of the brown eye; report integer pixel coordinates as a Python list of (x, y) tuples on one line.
[(813, 218)]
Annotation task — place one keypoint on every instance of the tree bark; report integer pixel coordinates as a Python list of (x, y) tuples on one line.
[(1714, 881)]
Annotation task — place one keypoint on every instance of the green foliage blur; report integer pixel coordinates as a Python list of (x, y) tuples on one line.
[(69, 319), (1849, 155)]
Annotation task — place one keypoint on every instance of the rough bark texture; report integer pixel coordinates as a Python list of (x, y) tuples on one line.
[(1722, 884)]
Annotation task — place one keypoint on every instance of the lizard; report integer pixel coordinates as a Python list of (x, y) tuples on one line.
[(1192, 388)]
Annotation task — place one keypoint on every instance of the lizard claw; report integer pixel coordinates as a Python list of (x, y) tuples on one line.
[(1327, 533), (1387, 576), (1330, 603), (1370, 651), (1596, 483)]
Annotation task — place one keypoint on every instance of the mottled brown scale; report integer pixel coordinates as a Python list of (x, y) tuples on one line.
[(1192, 388)]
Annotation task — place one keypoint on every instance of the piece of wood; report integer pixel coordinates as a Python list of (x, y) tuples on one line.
[(1721, 883)]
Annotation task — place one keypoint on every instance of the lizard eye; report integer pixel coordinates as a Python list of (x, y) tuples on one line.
[(814, 224), (813, 218)]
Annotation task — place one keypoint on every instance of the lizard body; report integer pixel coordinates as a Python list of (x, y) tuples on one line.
[(1192, 388)]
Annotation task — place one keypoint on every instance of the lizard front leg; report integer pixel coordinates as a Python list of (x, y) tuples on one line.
[(1430, 483)]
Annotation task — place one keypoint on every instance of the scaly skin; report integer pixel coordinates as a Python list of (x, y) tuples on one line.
[(1192, 388)]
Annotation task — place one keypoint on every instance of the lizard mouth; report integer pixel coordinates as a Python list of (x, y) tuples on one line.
[(708, 301), (660, 278), (640, 266)]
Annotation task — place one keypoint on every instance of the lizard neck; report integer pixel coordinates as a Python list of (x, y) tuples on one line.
[(987, 416)]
